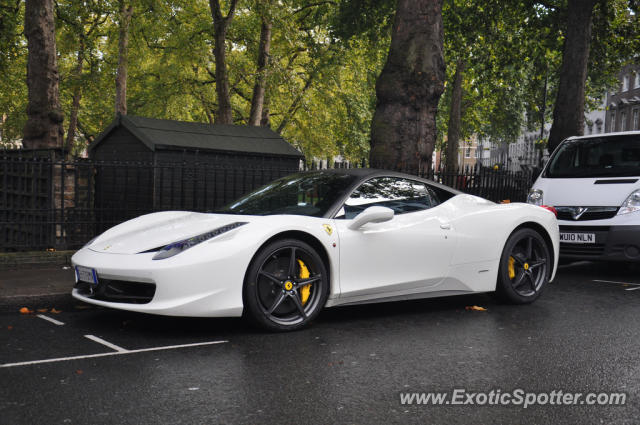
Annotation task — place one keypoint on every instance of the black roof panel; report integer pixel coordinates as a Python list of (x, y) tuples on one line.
[(155, 133)]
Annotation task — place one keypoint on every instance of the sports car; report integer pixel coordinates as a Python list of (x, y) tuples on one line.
[(311, 240)]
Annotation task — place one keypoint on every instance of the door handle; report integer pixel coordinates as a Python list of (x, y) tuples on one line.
[(445, 226)]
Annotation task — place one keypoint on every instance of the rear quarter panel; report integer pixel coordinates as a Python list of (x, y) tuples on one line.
[(482, 228)]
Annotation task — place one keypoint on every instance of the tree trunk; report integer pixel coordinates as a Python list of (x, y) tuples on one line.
[(265, 121), (403, 130), (123, 55), (220, 26), (568, 112), (3, 119), (77, 95), (455, 116), (257, 100), (44, 115)]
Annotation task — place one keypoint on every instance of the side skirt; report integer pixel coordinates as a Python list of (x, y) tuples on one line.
[(391, 298)]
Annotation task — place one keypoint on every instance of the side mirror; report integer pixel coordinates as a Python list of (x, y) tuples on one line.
[(371, 215)]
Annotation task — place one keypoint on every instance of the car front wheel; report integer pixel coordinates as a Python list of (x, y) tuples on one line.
[(286, 286)]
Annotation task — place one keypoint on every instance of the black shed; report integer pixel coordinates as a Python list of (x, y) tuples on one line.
[(146, 164)]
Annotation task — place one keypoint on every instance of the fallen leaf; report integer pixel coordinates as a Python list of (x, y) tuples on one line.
[(43, 310), (79, 372), (54, 311), (51, 250), (505, 201), (475, 308), (25, 310), (9, 327)]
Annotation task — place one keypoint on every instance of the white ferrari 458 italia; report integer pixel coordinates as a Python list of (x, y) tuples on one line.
[(320, 239)]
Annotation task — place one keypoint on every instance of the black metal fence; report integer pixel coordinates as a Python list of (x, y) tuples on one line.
[(51, 203), (488, 183), (47, 202)]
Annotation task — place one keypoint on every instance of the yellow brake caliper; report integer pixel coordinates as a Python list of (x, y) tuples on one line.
[(306, 289), (512, 270)]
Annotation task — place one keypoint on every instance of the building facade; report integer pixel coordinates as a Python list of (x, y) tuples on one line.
[(623, 103), (469, 155), (594, 120)]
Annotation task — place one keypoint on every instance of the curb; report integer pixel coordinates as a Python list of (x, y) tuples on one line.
[(34, 259), (61, 301)]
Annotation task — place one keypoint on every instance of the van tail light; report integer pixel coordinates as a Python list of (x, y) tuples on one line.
[(550, 208)]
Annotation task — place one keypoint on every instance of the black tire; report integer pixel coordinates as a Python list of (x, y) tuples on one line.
[(274, 296), (524, 280)]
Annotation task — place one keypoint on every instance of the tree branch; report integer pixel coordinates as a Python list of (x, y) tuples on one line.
[(320, 3)]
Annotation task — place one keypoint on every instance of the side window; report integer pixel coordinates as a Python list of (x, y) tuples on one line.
[(401, 195)]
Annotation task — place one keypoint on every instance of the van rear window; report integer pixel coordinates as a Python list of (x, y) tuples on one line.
[(616, 156)]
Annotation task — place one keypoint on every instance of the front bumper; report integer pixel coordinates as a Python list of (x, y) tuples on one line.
[(612, 243), (187, 286)]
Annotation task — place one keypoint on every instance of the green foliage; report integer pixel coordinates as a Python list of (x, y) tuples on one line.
[(324, 62)]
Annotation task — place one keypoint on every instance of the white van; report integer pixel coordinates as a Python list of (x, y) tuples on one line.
[(594, 184)]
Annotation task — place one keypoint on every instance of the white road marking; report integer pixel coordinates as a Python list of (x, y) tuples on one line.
[(633, 289), (105, 343), (50, 319), (613, 281), (112, 353)]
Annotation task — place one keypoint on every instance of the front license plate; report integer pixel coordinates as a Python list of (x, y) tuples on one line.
[(86, 274), (578, 237)]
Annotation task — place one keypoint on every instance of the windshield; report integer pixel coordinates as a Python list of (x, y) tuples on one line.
[(310, 194), (596, 157)]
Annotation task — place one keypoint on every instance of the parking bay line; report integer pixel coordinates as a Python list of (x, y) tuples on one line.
[(614, 281), (105, 343), (50, 319), (113, 353)]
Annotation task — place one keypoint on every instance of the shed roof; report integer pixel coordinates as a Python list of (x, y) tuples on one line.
[(156, 133)]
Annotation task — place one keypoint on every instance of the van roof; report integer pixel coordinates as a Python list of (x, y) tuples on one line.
[(599, 136)]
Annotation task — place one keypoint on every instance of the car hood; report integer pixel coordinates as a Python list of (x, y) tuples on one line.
[(157, 230), (610, 192)]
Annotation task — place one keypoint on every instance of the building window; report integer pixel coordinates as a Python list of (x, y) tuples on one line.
[(467, 152), (636, 119), (638, 79), (625, 83), (623, 121), (613, 122)]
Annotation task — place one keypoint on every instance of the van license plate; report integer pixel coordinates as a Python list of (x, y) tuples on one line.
[(578, 237)]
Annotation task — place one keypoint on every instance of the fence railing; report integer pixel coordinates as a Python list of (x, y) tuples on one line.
[(52, 203), (495, 185)]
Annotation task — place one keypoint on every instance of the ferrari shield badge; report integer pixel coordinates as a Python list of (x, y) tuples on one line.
[(328, 229)]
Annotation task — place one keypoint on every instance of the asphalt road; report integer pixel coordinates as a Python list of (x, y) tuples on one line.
[(350, 366)]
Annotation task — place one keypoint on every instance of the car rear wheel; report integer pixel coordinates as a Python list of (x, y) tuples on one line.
[(524, 267), (286, 286)]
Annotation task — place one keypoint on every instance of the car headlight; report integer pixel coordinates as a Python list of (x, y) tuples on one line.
[(631, 204), (535, 197), (176, 248)]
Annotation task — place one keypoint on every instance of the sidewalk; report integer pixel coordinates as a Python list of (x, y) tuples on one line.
[(36, 281)]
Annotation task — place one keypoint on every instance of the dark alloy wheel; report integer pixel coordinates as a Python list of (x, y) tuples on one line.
[(525, 266), (286, 286)]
